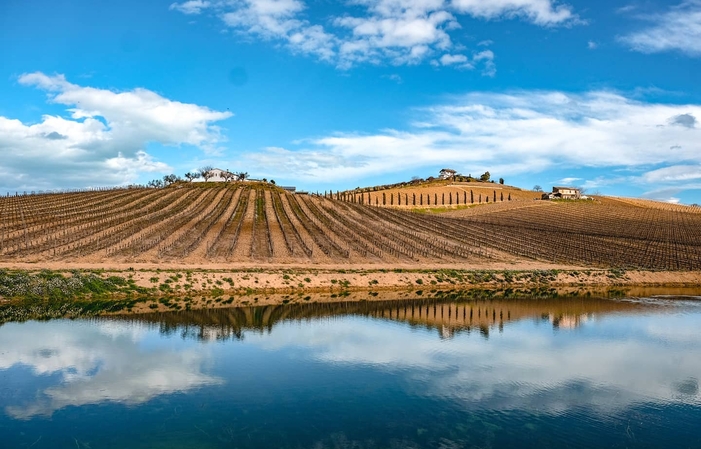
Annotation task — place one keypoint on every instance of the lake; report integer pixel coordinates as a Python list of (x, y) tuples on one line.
[(424, 373)]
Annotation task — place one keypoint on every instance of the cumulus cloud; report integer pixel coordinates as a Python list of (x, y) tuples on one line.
[(102, 139), (485, 58), (95, 365), (511, 133), (678, 29), (374, 31)]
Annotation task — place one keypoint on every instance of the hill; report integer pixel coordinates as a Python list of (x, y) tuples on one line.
[(439, 194), (258, 224)]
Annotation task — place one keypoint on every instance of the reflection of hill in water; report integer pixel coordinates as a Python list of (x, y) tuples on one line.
[(446, 316)]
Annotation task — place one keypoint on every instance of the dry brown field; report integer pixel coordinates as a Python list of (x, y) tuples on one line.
[(260, 225)]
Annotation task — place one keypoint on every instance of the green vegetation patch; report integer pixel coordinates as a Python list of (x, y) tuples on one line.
[(48, 284)]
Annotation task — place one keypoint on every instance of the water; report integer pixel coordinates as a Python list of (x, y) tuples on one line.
[(407, 374)]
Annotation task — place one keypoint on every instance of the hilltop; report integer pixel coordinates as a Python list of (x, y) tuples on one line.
[(436, 195)]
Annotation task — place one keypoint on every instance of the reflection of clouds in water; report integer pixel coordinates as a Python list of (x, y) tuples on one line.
[(96, 363), (642, 360)]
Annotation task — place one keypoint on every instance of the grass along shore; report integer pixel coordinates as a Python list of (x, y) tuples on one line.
[(43, 294)]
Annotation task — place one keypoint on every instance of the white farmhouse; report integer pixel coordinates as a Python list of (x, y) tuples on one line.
[(218, 175)]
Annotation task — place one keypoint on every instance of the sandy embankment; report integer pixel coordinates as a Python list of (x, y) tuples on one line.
[(273, 283)]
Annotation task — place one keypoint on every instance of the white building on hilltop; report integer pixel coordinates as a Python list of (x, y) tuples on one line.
[(218, 175)]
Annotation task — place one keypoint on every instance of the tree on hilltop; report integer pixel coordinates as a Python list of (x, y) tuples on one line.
[(485, 177), (190, 176), (170, 179), (206, 172), (229, 176), (537, 188)]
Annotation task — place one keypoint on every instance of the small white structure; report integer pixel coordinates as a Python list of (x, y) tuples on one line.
[(218, 175), (446, 173)]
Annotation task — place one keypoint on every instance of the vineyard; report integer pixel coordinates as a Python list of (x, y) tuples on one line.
[(259, 224)]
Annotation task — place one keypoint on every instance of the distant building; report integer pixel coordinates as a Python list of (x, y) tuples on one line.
[(289, 189), (218, 175), (446, 173), (564, 193)]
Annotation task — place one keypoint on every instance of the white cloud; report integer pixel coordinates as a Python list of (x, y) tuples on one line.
[(485, 58), (541, 12), (675, 173), (677, 29), (103, 138), (566, 181), (453, 59), (96, 365), (591, 45), (191, 7), (375, 31), (514, 133), (665, 194)]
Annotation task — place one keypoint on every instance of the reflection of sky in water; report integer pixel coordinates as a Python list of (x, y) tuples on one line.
[(607, 366), (95, 363), (620, 360)]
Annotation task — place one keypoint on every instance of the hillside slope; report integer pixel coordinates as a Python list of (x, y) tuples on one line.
[(438, 194), (257, 224)]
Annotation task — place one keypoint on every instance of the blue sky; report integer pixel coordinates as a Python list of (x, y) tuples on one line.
[(332, 95)]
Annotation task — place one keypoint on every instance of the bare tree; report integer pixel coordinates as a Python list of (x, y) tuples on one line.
[(243, 176), (170, 179), (190, 176), (537, 188), (228, 176), (206, 172)]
